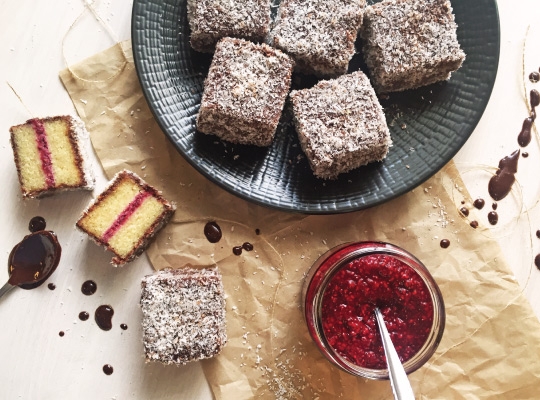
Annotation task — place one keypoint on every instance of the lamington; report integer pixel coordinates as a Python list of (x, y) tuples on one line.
[(340, 124), (211, 20), (318, 34), (244, 92), (51, 155), (183, 315), (410, 43), (126, 216)]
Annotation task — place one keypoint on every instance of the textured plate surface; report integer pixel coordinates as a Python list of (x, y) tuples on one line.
[(428, 125)]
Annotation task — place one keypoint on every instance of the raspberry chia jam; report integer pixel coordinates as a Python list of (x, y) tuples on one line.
[(341, 292)]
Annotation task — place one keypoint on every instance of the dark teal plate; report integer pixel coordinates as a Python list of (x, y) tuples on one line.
[(428, 125)]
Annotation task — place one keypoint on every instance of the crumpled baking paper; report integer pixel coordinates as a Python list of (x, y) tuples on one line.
[(491, 345)]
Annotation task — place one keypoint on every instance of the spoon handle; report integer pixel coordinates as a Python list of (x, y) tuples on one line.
[(398, 377), (6, 288)]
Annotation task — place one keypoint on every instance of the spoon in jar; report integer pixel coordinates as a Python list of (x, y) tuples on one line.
[(401, 387), (32, 261)]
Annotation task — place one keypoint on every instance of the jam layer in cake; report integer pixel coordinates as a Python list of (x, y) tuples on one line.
[(126, 216), (50, 155)]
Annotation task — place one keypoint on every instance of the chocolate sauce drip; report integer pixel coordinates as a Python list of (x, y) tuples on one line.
[(445, 243), (51, 286), (103, 317), (493, 217), (534, 77), (108, 369), (247, 246), (257, 231), (212, 231), (538, 234), (479, 203), (525, 154), (34, 259), (61, 333), (237, 250), (123, 327), (501, 183), (534, 98), (37, 224), (537, 261), (524, 137), (474, 224), (464, 211), (89, 288), (83, 316), (494, 206)]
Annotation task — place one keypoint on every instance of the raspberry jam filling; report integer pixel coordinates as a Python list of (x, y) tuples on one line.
[(348, 304), (44, 151), (125, 215)]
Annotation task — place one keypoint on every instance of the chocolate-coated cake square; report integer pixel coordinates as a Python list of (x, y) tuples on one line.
[(340, 124), (410, 43), (244, 92), (183, 315)]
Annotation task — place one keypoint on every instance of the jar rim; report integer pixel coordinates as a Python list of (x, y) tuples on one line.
[(333, 261)]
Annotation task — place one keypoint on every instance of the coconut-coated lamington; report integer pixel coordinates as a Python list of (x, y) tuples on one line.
[(126, 216), (244, 92), (340, 125), (318, 34), (211, 20), (410, 43), (183, 315)]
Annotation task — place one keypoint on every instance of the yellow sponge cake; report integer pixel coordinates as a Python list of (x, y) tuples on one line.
[(126, 216), (50, 155)]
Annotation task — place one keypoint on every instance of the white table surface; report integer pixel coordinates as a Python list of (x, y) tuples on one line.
[(39, 364)]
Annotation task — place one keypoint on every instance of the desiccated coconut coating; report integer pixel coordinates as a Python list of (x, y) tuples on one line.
[(340, 124), (244, 92), (183, 315), (410, 43), (318, 34), (211, 20)]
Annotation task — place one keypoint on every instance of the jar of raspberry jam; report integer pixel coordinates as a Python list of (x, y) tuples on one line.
[(341, 292)]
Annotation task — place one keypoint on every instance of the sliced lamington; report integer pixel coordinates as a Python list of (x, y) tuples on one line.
[(183, 315), (244, 92), (211, 20), (318, 34), (51, 155), (410, 43), (340, 124), (126, 216)]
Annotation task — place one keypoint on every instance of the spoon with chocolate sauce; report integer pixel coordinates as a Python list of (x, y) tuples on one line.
[(33, 260), (401, 387)]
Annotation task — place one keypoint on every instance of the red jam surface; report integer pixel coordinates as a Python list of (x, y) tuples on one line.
[(349, 302)]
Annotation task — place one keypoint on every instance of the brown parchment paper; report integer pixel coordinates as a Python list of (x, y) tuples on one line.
[(491, 345)]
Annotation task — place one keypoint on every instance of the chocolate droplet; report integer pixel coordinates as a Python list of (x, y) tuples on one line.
[(464, 211), (479, 203), (247, 246), (212, 231), (51, 286), (37, 224), (474, 224), (89, 288), (103, 317), (493, 218), (501, 183), (237, 250), (445, 243), (108, 369), (83, 316)]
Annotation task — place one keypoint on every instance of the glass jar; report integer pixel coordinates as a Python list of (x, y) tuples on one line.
[(325, 274)]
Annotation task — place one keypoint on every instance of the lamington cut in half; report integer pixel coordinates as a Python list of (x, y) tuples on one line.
[(340, 125), (51, 155), (244, 92), (410, 43), (318, 34), (211, 20), (126, 216), (183, 315)]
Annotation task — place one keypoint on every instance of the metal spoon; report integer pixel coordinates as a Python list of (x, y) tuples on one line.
[(401, 387)]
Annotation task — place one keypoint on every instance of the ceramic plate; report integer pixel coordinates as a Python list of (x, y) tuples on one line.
[(428, 125)]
